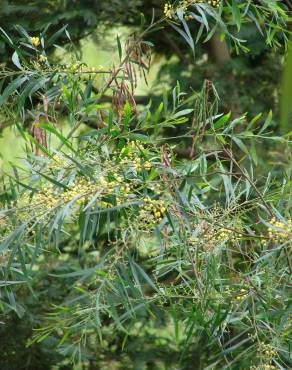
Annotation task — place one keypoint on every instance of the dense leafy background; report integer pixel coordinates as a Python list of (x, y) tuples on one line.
[(145, 230)]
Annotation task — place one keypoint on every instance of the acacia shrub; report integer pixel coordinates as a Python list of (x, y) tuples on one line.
[(124, 251)]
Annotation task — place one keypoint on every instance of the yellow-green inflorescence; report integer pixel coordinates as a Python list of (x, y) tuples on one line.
[(266, 353), (117, 180), (57, 162), (264, 367), (242, 295), (132, 156), (79, 67), (42, 58), (35, 41), (170, 10), (209, 237), (152, 211), (280, 231), (80, 191)]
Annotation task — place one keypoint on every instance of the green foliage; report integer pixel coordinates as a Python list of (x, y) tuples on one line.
[(150, 237), (269, 16), (81, 16), (242, 25), (287, 93), (118, 251), (228, 17)]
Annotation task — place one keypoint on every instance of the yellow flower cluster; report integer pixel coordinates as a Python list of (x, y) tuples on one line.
[(46, 198), (125, 190), (137, 164), (188, 17), (116, 186), (132, 148), (214, 3), (215, 237), (152, 211), (243, 294), (223, 234), (266, 350), (131, 156), (74, 67), (42, 58), (264, 367), (79, 67), (279, 231), (107, 185), (210, 236), (85, 69), (35, 41), (169, 10), (79, 190), (58, 162), (193, 240)]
